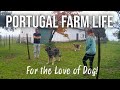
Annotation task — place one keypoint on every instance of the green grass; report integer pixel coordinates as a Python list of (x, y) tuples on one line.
[(14, 62)]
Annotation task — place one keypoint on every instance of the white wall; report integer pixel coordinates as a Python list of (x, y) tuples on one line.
[(4, 32), (71, 33), (28, 31), (57, 37)]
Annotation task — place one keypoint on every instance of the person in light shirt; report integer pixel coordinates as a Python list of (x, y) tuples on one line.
[(90, 48)]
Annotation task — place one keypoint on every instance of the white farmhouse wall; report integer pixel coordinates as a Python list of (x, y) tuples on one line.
[(56, 38), (28, 31), (72, 35)]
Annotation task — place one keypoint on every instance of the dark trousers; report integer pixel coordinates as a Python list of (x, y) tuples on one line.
[(90, 57)]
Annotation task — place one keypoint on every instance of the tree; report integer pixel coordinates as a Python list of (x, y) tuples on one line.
[(3, 18), (101, 31), (58, 15), (117, 26), (119, 34), (102, 34)]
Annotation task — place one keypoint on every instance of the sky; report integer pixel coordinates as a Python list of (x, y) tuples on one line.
[(31, 12), (108, 31)]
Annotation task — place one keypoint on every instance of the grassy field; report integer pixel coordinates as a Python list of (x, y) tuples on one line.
[(14, 62)]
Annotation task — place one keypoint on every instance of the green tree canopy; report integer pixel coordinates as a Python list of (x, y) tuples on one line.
[(3, 17)]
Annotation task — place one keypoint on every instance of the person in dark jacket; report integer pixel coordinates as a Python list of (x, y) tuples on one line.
[(37, 37)]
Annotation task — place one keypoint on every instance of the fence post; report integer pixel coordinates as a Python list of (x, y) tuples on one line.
[(4, 41), (19, 39), (12, 39), (99, 56), (0, 40), (28, 46), (9, 42)]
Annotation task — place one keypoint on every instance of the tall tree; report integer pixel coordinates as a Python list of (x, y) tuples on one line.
[(3, 17), (119, 34), (58, 15), (117, 26)]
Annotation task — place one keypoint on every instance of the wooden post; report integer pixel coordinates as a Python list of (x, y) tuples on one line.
[(0, 40), (9, 42), (19, 39), (4, 41), (12, 39), (99, 54), (28, 46)]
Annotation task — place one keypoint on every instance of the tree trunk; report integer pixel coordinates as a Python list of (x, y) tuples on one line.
[(51, 36)]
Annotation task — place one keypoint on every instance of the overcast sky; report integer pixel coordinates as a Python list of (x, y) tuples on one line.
[(31, 12)]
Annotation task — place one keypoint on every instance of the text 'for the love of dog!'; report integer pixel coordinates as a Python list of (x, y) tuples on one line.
[(44, 70)]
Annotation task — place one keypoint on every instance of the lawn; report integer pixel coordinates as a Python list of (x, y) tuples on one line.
[(14, 62)]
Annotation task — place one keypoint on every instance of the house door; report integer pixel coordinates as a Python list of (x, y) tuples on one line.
[(77, 36)]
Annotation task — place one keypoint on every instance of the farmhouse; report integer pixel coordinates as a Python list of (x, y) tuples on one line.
[(73, 34)]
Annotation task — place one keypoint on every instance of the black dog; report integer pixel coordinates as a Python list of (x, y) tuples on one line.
[(53, 54)]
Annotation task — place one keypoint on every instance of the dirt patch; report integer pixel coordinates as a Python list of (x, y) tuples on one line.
[(10, 56)]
